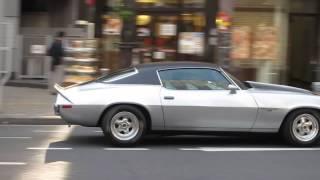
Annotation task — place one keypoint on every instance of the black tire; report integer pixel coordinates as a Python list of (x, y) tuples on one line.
[(106, 125), (288, 132)]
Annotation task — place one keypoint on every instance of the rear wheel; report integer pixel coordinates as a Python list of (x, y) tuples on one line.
[(124, 125), (302, 128)]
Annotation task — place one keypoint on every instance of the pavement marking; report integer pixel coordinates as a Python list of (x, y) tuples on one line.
[(47, 148), (28, 125), (18, 116), (12, 163), (15, 137), (126, 149), (209, 149)]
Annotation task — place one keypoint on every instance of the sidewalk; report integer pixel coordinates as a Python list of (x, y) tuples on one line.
[(23, 105)]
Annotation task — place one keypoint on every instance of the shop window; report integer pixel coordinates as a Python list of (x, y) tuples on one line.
[(191, 36), (193, 22), (143, 33), (254, 36), (157, 3), (112, 28), (165, 38)]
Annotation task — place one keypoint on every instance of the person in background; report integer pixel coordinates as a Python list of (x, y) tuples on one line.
[(56, 52)]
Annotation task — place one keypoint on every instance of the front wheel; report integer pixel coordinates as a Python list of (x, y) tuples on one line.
[(124, 125), (302, 128)]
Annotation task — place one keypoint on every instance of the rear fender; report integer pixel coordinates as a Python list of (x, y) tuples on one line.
[(61, 91)]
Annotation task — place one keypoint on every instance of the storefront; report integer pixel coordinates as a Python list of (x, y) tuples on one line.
[(259, 39), (165, 30), (276, 41), (253, 37), (244, 34)]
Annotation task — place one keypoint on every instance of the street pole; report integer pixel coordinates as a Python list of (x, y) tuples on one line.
[(211, 31), (99, 10), (128, 34)]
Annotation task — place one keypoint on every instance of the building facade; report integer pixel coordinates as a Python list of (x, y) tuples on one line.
[(273, 41)]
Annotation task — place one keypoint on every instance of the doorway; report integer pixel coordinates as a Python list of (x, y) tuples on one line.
[(302, 54)]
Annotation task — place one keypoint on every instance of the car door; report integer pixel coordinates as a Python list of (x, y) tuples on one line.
[(199, 98)]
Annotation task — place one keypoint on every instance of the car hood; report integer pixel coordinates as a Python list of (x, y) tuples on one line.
[(275, 87)]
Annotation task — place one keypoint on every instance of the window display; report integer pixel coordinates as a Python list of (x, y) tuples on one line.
[(81, 61), (165, 38), (241, 42), (254, 36), (265, 43)]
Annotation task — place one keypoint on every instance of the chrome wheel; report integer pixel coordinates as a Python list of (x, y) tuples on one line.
[(124, 125), (305, 127)]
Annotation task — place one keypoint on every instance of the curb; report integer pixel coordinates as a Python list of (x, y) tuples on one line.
[(39, 120), (27, 85)]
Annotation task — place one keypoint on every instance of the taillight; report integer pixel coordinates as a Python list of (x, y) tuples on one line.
[(66, 106)]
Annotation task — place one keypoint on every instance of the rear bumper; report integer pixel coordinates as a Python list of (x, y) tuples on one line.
[(56, 109), (84, 115)]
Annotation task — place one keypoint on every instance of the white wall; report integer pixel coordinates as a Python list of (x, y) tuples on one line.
[(10, 14)]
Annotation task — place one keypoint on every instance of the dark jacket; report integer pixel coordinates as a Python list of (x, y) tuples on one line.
[(56, 51)]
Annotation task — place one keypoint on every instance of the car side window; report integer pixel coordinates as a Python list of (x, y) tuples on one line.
[(193, 79)]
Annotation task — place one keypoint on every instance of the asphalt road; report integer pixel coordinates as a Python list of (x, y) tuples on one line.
[(77, 153)]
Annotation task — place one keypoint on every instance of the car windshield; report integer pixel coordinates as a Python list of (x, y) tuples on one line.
[(117, 75), (238, 82)]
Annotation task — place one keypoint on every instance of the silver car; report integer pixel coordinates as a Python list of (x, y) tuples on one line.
[(188, 97)]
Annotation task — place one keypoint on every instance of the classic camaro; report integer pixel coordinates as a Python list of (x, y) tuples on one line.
[(188, 97)]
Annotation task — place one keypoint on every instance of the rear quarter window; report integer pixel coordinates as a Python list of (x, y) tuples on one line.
[(122, 74)]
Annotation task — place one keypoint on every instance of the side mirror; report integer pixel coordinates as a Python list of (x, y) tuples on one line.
[(233, 88)]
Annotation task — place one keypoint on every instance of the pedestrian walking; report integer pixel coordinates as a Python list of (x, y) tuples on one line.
[(56, 52)]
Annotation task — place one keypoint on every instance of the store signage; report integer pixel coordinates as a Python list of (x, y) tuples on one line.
[(191, 43), (159, 55), (223, 20), (168, 30), (143, 32), (113, 26), (38, 49)]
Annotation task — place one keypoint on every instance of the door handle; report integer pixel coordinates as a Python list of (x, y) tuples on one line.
[(169, 98)]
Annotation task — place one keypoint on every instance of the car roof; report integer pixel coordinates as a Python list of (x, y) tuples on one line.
[(169, 65)]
